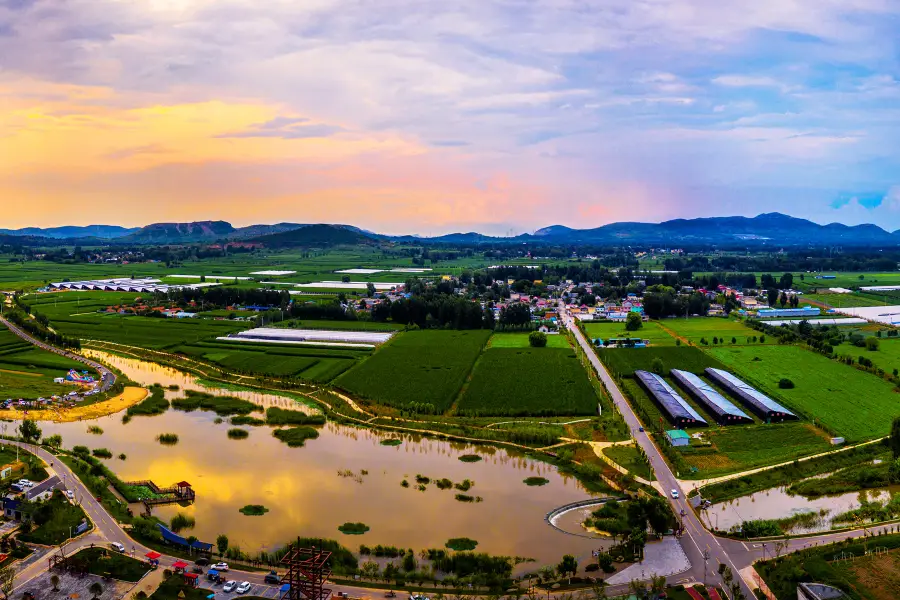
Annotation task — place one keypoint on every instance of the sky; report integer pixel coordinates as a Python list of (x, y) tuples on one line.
[(400, 116)]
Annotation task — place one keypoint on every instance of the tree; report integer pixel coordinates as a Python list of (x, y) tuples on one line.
[(95, 589), (29, 431), (370, 289), (657, 366), (54, 581), (633, 321), (537, 339), (871, 344), (895, 437), (7, 581), (657, 584), (54, 441), (191, 540), (568, 566), (638, 588), (222, 544)]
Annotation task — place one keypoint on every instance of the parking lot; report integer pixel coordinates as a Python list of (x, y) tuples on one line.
[(258, 590)]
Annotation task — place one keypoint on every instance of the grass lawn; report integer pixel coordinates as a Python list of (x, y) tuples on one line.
[(743, 447), (649, 331), (708, 327), (101, 561), (174, 588), (426, 367), (886, 357), (53, 519), (520, 340), (529, 382), (629, 458), (852, 403)]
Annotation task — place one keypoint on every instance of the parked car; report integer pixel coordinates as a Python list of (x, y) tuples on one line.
[(229, 586), (220, 566), (243, 588), (273, 578), (675, 493), (117, 547), (202, 561)]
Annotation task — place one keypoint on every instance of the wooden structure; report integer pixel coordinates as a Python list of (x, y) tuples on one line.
[(181, 492), (307, 571)]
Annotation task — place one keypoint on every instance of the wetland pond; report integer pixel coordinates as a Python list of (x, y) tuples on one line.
[(312, 490), (776, 503)]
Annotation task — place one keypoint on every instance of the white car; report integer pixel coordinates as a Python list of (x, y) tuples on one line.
[(117, 547), (243, 588), (675, 493), (70, 494), (220, 566), (229, 586)]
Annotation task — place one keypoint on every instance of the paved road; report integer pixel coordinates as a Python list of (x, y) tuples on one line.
[(698, 541), (107, 377)]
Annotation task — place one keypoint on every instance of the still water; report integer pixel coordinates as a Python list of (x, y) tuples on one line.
[(306, 495), (776, 503)]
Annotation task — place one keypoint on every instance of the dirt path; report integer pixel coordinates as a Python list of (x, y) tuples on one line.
[(129, 397), (683, 339)]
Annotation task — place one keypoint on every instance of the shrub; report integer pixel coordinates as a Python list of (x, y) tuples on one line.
[(461, 544), (785, 384), (296, 436), (537, 339), (237, 433), (470, 458), (102, 453), (253, 510), (167, 439), (536, 481), (353, 528)]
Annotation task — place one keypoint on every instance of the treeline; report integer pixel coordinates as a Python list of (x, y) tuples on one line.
[(39, 328), (809, 260), (435, 311)]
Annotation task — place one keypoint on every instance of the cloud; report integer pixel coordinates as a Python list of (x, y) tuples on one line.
[(286, 132), (755, 105)]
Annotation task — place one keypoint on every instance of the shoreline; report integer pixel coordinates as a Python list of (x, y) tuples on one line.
[(130, 396)]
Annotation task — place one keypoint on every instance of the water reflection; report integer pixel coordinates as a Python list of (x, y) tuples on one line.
[(305, 494), (776, 503)]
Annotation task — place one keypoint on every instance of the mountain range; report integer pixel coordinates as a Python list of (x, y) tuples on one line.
[(774, 229)]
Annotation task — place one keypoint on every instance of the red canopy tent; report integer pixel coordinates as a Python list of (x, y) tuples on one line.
[(152, 555), (180, 565)]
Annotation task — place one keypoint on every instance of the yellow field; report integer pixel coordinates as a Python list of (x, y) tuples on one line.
[(129, 397)]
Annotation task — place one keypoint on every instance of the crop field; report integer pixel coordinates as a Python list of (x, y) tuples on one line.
[(844, 300), (849, 402), (625, 361), (426, 367), (520, 340), (846, 280), (694, 329), (26, 372), (313, 363), (529, 382), (344, 325), (745, 447), (649, 331), (147, 332)]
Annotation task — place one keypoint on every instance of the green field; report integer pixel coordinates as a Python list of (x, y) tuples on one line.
[(528, 382), (845, 300), (649, 331), (520, 340), (27, 372), (318, 364), (739, 448), (625, 361), (629, 458), (695, 328), (849, 402), (426, 367)]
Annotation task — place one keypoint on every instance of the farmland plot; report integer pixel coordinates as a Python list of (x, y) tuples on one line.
[(849, 402), (649, 331), (625, 361), (695, 328), (529, 382), (426, 367)]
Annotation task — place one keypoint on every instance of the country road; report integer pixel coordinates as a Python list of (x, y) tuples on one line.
[(700, 546), (107, 377)]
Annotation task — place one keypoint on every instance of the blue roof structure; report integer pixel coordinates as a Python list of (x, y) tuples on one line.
[(679, 411), (725, 411), (753, 398), (174, 538)]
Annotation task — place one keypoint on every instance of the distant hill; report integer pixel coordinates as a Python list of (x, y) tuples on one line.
[(770, 229), (174, 233), (74, 231), (315, 235)]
